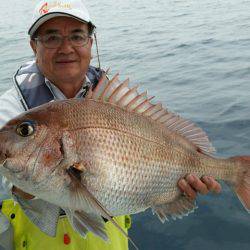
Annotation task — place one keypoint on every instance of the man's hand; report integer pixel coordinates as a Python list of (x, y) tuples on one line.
[(22, 194), (191, 184)]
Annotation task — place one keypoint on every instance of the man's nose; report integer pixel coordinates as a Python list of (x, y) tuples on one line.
[(66, 46)]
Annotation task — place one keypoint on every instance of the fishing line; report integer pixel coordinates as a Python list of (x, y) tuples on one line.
[(97, 51)]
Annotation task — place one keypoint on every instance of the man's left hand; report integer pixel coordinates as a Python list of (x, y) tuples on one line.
[(21, 193), (191, 184)]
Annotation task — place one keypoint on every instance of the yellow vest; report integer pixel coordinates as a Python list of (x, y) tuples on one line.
[(29, 237)]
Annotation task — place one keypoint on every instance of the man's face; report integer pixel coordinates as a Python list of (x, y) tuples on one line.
[(66, 63)]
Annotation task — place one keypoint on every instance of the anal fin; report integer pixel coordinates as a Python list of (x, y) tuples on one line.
[(178, 208)]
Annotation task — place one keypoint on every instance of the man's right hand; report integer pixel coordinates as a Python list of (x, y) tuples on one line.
[(22, 194)]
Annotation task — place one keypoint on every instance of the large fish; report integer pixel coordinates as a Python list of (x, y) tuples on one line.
[(113, 153)]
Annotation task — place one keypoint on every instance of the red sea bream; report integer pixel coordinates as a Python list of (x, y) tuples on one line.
[(113, 153)]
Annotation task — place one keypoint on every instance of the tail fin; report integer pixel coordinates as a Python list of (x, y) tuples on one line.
[(242, 187)]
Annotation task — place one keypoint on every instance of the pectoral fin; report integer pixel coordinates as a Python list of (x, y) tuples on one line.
[(182, 206), (83, 222), (81, 194)]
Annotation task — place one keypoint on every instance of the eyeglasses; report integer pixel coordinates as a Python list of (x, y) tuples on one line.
[(54, 41)]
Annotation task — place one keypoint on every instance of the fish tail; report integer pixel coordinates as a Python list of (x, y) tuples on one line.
[(242, 185)]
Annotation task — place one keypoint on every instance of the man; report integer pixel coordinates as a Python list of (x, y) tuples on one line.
[(61, 39)]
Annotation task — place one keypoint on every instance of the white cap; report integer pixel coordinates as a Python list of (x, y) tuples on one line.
[(46, 10)]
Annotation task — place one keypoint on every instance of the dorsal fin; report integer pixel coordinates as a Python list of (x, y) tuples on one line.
[(120, 94)]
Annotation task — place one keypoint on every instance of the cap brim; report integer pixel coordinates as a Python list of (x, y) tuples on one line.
[(49, 16)]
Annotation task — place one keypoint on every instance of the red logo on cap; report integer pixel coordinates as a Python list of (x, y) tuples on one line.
[(44, 9)]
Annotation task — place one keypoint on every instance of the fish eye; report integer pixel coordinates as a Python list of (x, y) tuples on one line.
[(25, 129)]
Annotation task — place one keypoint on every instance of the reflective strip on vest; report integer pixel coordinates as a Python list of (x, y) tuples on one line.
[(28, 237)]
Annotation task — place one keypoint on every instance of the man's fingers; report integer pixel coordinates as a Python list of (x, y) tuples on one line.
[(191, 184), (197, 184), (211, 184), (187, 189)]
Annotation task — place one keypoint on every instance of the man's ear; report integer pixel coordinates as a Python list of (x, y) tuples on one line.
[(91, 41), (33, 46)]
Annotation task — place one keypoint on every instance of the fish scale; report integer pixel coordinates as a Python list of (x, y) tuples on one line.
[(110, 143)]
